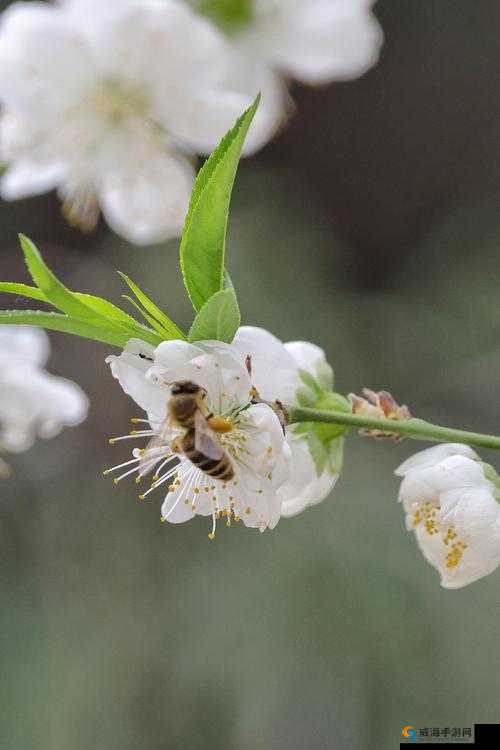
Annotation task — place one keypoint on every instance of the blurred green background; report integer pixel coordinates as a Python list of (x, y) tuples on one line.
[(372, 226)]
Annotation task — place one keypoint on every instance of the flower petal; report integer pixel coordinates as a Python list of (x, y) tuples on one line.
[(274, 372), (306, 355), (304, 488), (23, 344), (321, 40), (146, 201), (130, 368), (32, 78), (34, 403), (432, 456)]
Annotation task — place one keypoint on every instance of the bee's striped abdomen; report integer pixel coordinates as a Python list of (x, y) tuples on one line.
[(217, 468)]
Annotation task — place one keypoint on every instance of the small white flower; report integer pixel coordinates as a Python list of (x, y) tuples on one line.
[(254, 443), (106, 100), (315, 42), (33, 402), (451, 505), (276, 375)]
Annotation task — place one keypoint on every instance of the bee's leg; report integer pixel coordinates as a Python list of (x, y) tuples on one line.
[(175, 446)]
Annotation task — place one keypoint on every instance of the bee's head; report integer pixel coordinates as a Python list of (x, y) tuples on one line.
[(187, 388)]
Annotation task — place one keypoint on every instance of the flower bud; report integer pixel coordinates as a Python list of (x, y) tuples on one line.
[(378, 405)]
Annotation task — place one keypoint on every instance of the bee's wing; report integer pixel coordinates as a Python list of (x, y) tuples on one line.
[(157, 441), (205, 439)]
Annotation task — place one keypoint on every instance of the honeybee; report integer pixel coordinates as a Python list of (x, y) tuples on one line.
[(199, 443)]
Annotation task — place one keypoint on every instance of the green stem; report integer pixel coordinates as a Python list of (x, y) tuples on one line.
[(412, 428)]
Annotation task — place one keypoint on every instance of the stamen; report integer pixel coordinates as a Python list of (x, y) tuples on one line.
[(122, 476), (132, 436), (211, 535), (121, 466)]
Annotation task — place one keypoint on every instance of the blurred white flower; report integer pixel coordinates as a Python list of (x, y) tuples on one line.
[(315, 42), (33, 402), (451, 503), (276, 373), (254, 441), (106, 101)]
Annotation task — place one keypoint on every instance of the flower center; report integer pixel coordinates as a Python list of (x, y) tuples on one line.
[(234, 442), (427, 514), (117, 101)]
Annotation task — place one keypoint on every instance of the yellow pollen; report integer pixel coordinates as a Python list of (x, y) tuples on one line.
[(428, 513), (111, 441), (196, 490), (454, 557), (211, 536), (430, 527), (248, 510), (141, 497)]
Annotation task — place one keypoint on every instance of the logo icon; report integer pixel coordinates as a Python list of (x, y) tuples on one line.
[(409, 732)]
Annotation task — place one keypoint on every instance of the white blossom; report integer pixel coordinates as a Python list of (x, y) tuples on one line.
[(315, 42), (451, 503), (276, 375), (33, 403), (107, 101), (254, 443)]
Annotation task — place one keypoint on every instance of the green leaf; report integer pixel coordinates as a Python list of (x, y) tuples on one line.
[(230, 15), (305, 397), (65, 323), (309, 381), (218, 319), (228, 282), (204, 236), (163, 323), (319, 452), (57, 294), (302, 428), (152, 322), (108, 309), (22, 290), (336, 456), (331, 402), (325, 375), (100, 305)]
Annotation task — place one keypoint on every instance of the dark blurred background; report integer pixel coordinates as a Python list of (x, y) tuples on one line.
[(372, 226)]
